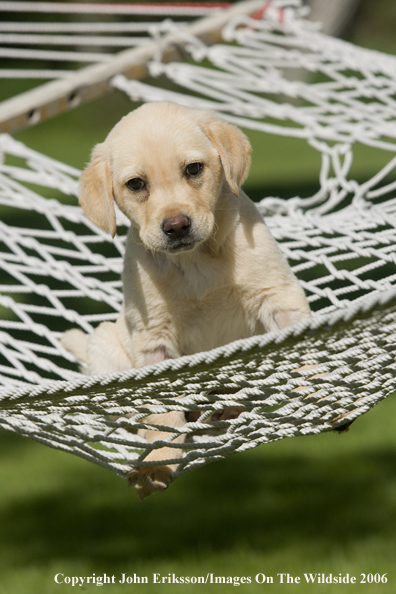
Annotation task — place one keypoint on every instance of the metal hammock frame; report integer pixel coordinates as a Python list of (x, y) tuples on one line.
[(59, 271)]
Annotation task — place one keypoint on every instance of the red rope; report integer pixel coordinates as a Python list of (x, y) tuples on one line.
[(261, 12)]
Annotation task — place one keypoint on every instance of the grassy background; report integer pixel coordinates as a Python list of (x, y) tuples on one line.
[(322, 504), (314, 504)]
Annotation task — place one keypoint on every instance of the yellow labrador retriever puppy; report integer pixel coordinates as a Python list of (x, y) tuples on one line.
[(201, 268)]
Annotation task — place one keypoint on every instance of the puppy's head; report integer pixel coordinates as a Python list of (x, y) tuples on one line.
[(165, 166)]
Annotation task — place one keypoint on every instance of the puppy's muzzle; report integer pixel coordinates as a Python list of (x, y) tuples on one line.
[(176, 228), (180, 234), (177, 231)]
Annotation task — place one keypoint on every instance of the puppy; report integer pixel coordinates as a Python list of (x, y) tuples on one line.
[(201, 268)]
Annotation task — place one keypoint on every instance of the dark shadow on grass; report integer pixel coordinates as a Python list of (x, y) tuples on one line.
[(262, 503)]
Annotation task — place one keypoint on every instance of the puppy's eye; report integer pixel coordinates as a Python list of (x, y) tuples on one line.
[(136, 184), (194, 169)]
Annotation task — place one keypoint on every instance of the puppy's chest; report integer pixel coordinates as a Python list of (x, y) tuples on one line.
[(211, 322), (205, 312)]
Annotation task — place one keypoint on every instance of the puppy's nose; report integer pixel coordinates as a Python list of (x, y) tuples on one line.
[(176, 227)]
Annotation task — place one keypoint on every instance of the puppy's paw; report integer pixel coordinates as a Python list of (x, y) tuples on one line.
[(75, 341), (148, 479)]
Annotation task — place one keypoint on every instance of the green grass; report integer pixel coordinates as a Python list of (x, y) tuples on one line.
[(323, 504)]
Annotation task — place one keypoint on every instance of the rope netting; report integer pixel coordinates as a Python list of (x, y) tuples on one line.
[(102, 30), (278, 74)]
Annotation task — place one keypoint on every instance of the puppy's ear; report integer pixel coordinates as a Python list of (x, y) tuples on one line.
[(96, 192), (234, 150)]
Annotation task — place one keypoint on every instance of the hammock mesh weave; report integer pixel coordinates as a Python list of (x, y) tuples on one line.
[(275, 73)]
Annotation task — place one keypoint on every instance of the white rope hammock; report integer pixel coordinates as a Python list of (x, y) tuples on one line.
[(59, 271), (101, 37)]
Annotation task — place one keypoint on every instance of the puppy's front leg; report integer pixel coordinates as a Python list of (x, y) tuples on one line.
[(284, 309), (282, 319), (147, 479)]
